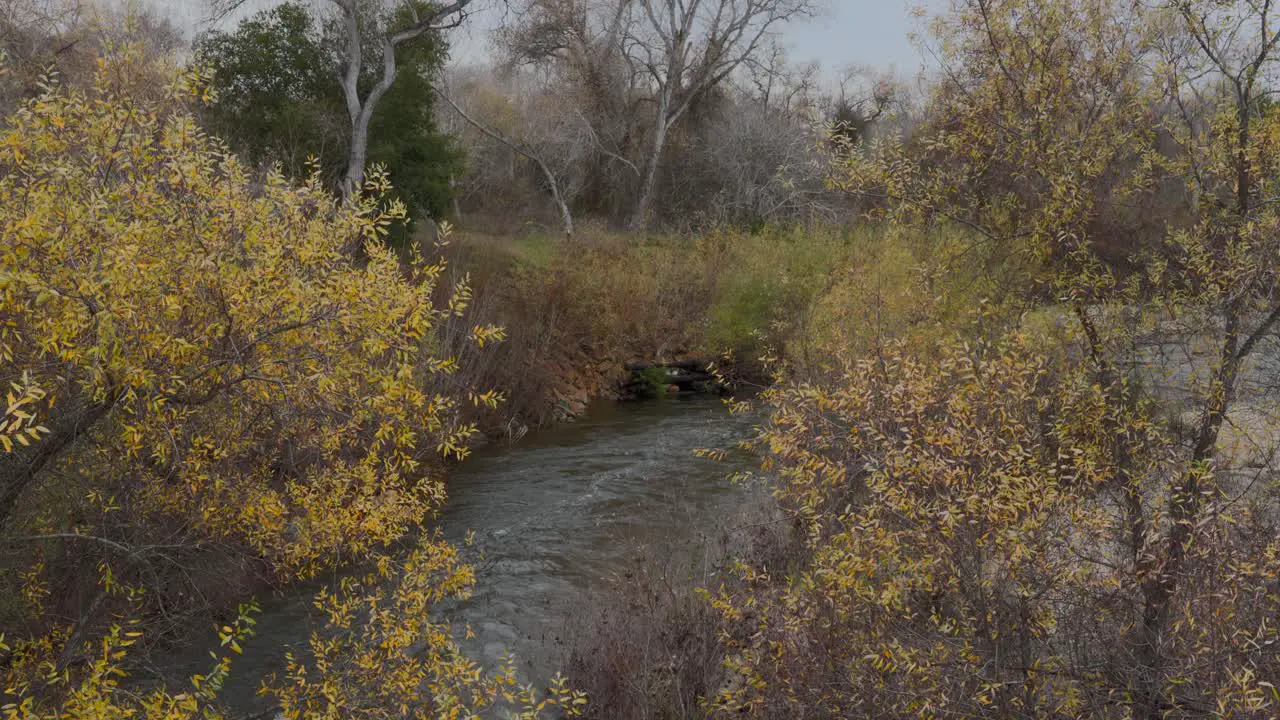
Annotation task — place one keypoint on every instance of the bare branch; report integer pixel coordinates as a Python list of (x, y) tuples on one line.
[(565, 215)]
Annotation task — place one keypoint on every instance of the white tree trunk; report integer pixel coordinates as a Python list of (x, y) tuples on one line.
[(361, 110), (649, 179), (358, 157)]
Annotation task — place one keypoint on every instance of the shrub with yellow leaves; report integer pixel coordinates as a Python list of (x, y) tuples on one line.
[(967, 534), (204, 360), (244, 355), (1010, 531), (96, 691), (18, 424), (380, 655)]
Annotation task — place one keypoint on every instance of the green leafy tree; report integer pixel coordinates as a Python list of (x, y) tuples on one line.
[(278, 99), (274, 100)]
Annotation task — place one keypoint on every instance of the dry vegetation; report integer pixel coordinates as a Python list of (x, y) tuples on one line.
[(1019, 434)]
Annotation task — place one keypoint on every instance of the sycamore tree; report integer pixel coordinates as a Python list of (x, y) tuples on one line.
[(396, 27), (373, 38), (1072, 512), (279, 99), (647, 64)]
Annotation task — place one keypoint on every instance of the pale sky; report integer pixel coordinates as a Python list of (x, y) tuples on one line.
[(873, 33), (870, 33)]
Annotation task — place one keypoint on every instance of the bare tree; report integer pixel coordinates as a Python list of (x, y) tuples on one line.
[(651, 58), (63, 39), (36, 37), (753, 153), (774, 83), (861, 99), (687, 48), (566, 217), (26, 26), (580, 45)]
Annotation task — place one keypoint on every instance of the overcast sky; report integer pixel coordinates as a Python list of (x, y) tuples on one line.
[(872, 33), (862, 32)]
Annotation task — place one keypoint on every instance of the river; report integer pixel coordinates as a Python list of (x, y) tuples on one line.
[(553, 518)]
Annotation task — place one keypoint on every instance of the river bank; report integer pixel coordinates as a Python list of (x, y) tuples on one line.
[(551, 524), (578, 313)]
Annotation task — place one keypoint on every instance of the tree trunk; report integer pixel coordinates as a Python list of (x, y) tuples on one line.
[(357, 158), (351, 95), (19, 470), (1187, 499), (566, 217), (1185, 504), (649, 180), (361, 111)]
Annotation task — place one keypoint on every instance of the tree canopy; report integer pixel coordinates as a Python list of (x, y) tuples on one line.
[(278, 98)]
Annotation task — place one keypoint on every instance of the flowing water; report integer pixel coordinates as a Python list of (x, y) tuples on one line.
[(554, 517)]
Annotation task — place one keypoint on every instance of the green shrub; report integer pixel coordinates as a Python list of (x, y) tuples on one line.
[(652, 381)]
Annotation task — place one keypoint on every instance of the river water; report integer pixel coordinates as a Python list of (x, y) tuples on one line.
[(553, 518)]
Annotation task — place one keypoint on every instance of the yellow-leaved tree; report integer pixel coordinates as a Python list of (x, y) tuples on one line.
[(1074, 513), (213, 334), (214, 373)]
